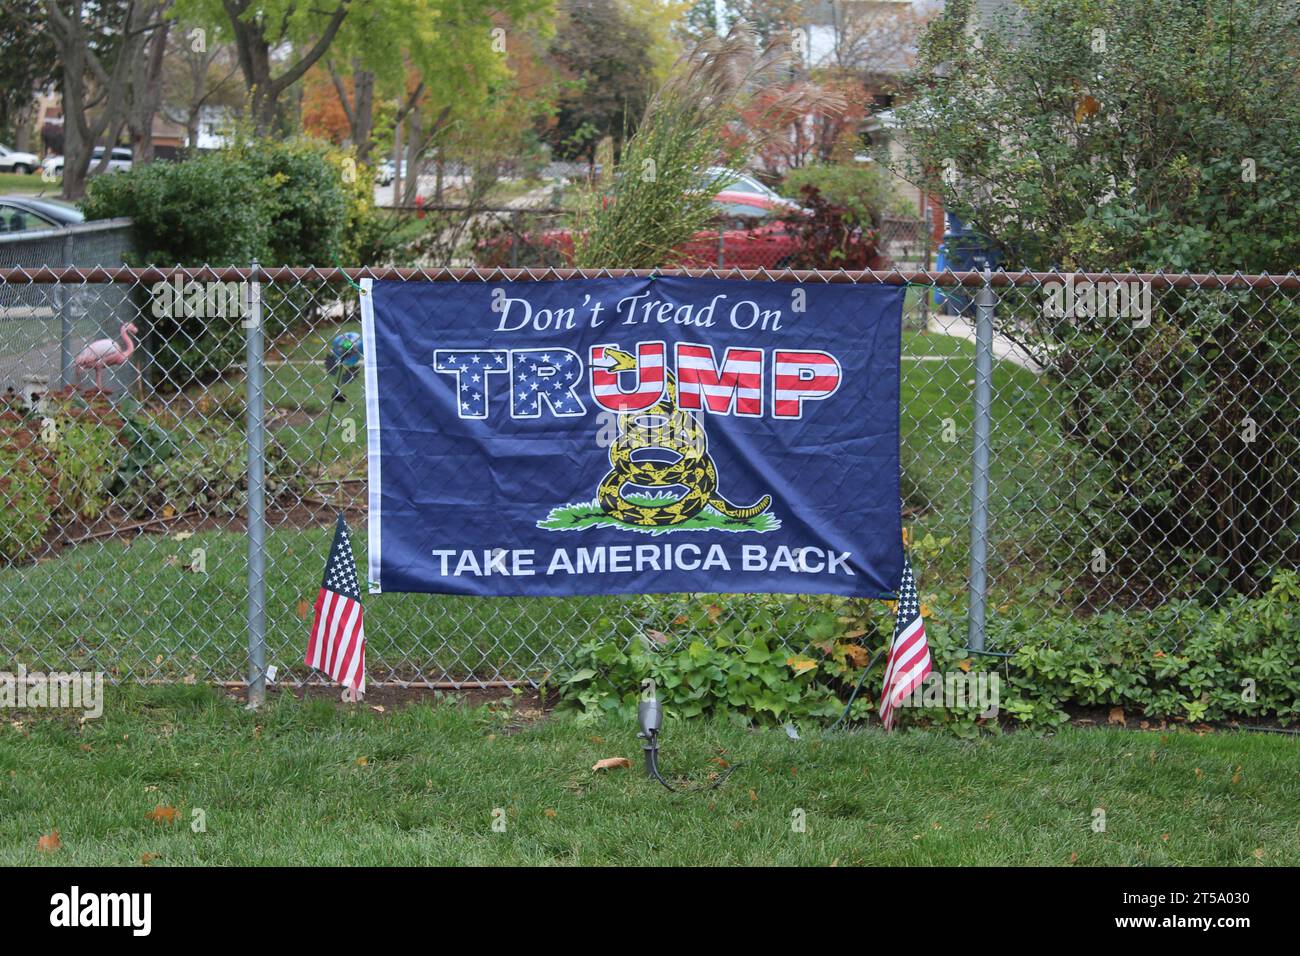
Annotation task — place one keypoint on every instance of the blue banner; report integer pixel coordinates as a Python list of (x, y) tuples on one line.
[(619, 436)]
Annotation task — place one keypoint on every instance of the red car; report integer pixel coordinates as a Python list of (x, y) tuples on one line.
[(753, 236)]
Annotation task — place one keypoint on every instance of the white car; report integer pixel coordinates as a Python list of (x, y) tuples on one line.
[(385, 173), (119, 160), (741, 182), (14, 162)]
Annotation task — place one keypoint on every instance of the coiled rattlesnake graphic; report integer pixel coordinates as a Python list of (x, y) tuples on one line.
[(663, 426)]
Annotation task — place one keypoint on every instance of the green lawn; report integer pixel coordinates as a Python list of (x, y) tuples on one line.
[(15, 183), (306, 782)]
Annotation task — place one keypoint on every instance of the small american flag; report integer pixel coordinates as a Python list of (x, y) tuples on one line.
[(909, 656), (338, 637)]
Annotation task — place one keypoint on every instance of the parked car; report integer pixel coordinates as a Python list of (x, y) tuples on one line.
[(387, 172), (753, 235), (12, 161), (25, 214), (739, 182), (118, 161)]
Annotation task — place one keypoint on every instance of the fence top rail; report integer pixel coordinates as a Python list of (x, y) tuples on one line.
[(58, 232), (55, 275)]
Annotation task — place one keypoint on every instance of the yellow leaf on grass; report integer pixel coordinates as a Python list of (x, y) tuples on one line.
[(49, 842), (147, 858), (303, 607), (964, 664), (161, 814), (609, 763), (1088, 106), (1117, 717)]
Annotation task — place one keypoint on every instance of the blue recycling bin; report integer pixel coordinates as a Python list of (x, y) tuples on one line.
[(962, 250)]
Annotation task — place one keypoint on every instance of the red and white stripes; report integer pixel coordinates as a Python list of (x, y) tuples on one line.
[(800, 376), (650, 377), (338, 640), (737, 386), (908, 665)]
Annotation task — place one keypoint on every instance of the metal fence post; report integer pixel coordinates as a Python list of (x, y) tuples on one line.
[(65, 319), (985, 301), (256, 497)]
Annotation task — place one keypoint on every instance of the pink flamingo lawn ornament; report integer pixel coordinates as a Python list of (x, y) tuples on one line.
[(105, 353)]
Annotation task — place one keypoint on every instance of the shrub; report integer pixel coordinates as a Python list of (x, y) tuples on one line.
[(862, 190), (828, 236), (1193, 419), (84, 461), (292, 202), (24, 514)]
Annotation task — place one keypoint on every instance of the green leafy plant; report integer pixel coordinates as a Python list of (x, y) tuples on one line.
[(747, 678), (24, 514), (83, 460)]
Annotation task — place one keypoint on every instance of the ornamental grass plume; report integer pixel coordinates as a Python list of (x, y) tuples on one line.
[(660, 193)]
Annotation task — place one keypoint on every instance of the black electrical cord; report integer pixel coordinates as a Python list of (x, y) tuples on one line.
[(652, 766), (852, 697)]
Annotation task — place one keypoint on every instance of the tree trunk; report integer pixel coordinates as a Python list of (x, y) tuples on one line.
[(363, 111), (255, 46), (146, 89)]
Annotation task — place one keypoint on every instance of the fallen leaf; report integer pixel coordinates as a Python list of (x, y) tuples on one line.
[(1074, 858), (1117, 717), (964, 664), (753, 796), (161, 814), (362, 762), (181, 536), (714, 611), (303, 607), (596, 739), (1088, 106), (377, 708), (1165, 837), (549, 812), (50, 842), (168, 511), (856, 654), (659, 637), (609, 763), (147, 858), (1236, 775)]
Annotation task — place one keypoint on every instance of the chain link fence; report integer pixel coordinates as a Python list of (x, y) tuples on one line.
[(1072, 445), (37, 333)]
